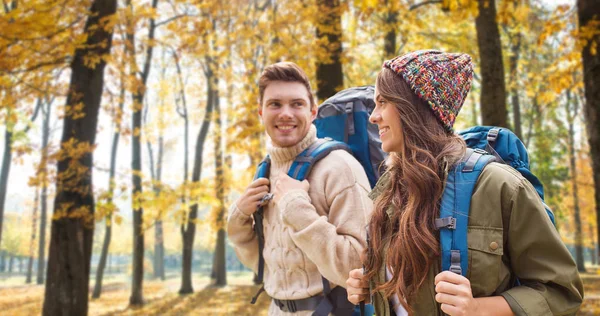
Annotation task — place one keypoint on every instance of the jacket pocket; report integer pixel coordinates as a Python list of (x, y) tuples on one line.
[(485, 259)]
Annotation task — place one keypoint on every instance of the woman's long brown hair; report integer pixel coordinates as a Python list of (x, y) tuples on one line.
[(413, 193)]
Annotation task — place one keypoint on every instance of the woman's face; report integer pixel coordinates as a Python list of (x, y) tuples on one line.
[(387, 118)]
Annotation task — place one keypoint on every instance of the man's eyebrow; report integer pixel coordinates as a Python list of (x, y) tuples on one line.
[(298, 99), (273, 99)]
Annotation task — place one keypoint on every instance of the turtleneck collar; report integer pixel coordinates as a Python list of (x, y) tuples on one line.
[(285, 154)]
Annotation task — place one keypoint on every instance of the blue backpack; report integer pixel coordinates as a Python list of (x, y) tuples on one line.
[(345, 118), (485, 144)]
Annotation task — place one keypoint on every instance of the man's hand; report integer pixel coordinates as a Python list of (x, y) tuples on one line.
[(284, 184), (249, 202), (454, 293)]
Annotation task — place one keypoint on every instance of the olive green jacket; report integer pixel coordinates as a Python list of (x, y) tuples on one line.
[(518, 242)]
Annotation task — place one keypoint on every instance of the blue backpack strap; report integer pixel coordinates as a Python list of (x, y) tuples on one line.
[(262, 171), (454, 210), (304, 162)]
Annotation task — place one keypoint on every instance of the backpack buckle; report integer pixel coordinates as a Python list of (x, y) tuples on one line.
[(446, 222), (492, 135), (455, 262), (291, 306)]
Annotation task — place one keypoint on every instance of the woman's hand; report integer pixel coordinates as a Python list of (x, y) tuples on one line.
[(454, 293), (358, 289)]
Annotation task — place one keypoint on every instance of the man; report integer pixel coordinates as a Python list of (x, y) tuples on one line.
[(314, 228)]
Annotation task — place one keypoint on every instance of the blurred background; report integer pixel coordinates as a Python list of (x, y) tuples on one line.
[(174, 133)]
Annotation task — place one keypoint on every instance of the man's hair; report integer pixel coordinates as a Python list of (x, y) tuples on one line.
[(284, 71)]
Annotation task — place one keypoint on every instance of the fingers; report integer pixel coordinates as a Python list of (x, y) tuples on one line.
[(356, 298), (358, 290), (263, 189), (259, 182), (451, 277), (449, 288), (356, 273), (357, 283), (450, 310)]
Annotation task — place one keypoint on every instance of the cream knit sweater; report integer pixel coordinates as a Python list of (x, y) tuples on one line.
[(308, 235)]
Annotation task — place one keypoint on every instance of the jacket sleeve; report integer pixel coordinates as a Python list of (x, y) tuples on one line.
[(243, 237), (550, 283), (334, 242)]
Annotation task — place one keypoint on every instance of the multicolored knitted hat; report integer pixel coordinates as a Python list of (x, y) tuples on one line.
[(443, 80)]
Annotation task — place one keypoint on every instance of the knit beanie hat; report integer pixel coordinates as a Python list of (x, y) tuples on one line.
[(443, 80)]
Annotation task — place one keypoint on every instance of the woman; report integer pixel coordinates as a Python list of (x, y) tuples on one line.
[(525, 270)]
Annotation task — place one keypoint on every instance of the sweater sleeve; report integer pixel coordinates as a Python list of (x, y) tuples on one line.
[(243, 237), (550, 283), (334, 242)]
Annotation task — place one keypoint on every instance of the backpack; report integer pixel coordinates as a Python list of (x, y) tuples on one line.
[(342, 123), (345, 118), (485, 144)]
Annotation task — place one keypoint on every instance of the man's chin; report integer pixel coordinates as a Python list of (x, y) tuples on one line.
[(286, 142)]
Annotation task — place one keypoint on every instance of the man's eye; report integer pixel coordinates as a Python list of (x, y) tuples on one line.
[(275, 104), (297, 104)]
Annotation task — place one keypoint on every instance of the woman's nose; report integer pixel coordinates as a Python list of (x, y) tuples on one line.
[(375, 117)]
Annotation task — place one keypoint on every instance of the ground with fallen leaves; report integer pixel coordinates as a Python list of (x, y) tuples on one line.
[(162, 298)]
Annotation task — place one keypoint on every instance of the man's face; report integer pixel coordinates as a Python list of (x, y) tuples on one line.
[(286, 112)]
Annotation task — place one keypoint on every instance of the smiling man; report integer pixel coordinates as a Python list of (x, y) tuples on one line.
[(313, 229)]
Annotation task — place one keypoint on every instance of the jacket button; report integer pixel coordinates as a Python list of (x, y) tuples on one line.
[(493, 245)]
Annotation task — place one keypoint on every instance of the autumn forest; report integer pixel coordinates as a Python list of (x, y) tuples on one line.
[(128, 127)]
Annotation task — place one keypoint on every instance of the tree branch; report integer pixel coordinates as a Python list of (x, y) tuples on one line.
[(415, 6), (171, 19)]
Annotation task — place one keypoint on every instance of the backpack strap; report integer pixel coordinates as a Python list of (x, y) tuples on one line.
[(262, 171), (304, 162), (492, 136), (454, 209)]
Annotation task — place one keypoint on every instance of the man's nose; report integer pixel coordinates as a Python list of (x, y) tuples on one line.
[(286, 111)]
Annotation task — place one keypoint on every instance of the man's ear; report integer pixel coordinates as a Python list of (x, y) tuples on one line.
[(260, 110), (313, 112)]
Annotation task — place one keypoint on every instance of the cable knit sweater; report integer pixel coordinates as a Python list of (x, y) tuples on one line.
[(308, 235)]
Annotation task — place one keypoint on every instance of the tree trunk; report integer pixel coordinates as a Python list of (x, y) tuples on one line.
[(138, 234), (111, 188), (514, 93), (329, 29), (33, 233), (2, 260), (219, 262), (137, 279), (6, 162), (389, 41), (188, 231), (44, 208), (70, 252), (588, 9), (592, 238), (571, 110), (158, 227), (493, 92), (10, 263)]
